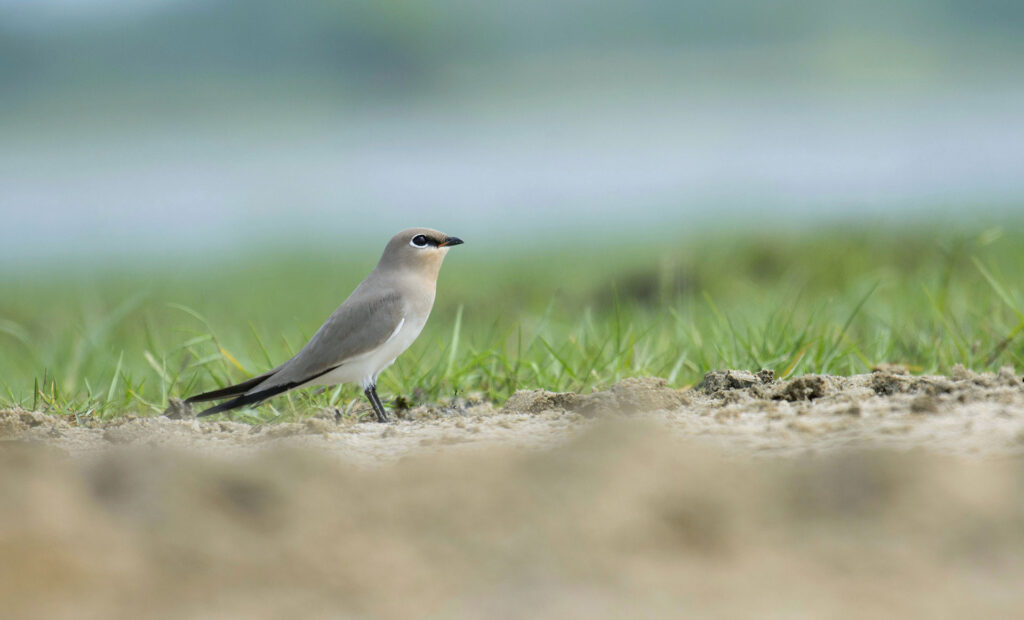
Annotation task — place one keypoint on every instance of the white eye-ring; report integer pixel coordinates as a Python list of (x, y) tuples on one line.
[(419, 241)]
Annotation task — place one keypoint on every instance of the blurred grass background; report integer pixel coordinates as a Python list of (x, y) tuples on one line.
[(565, 316), (133, 128)]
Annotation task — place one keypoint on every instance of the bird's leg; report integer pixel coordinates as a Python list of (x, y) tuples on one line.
[(378, 408)]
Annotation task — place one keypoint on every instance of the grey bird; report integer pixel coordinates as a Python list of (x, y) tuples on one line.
[(378, 321)]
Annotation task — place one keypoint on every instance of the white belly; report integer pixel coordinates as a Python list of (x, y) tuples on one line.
[(365, 368)]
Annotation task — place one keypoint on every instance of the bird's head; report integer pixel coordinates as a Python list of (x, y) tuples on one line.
[(418, 249)]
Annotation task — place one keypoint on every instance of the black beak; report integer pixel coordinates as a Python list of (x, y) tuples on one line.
[(450, 241)]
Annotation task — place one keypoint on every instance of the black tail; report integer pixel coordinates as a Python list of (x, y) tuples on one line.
[(248, 399), (231, 390), (245, 399)]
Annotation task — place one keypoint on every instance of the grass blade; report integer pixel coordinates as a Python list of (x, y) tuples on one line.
[(113, 381)]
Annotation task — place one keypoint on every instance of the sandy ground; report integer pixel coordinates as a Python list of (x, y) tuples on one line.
[(877, 494)]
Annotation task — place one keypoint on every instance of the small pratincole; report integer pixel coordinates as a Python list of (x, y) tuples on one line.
[(378, 321)]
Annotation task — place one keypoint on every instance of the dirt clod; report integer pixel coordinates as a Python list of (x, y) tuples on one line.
[(718, 381), (626, 396), (1008, 377), (537, 401), (959, 373), (11, 426), (890, 369), (807, 387), (178, 409), (647, 394), (887, 384)]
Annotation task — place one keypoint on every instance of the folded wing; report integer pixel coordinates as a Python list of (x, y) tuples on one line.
[(357, 327)]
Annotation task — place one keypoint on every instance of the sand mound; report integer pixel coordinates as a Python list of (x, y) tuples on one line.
[(746, 496), (621, 521), (964, 413), (626, 396)]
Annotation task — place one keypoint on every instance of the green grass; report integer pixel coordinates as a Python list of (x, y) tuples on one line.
[(111, 341)]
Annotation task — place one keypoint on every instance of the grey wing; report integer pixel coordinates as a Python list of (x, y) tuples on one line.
[(358, 326)]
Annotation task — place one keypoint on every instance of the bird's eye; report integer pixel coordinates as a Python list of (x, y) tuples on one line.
[(419, 241)]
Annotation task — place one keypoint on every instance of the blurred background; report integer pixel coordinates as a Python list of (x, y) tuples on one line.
[(247, 160), (141, 128)]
